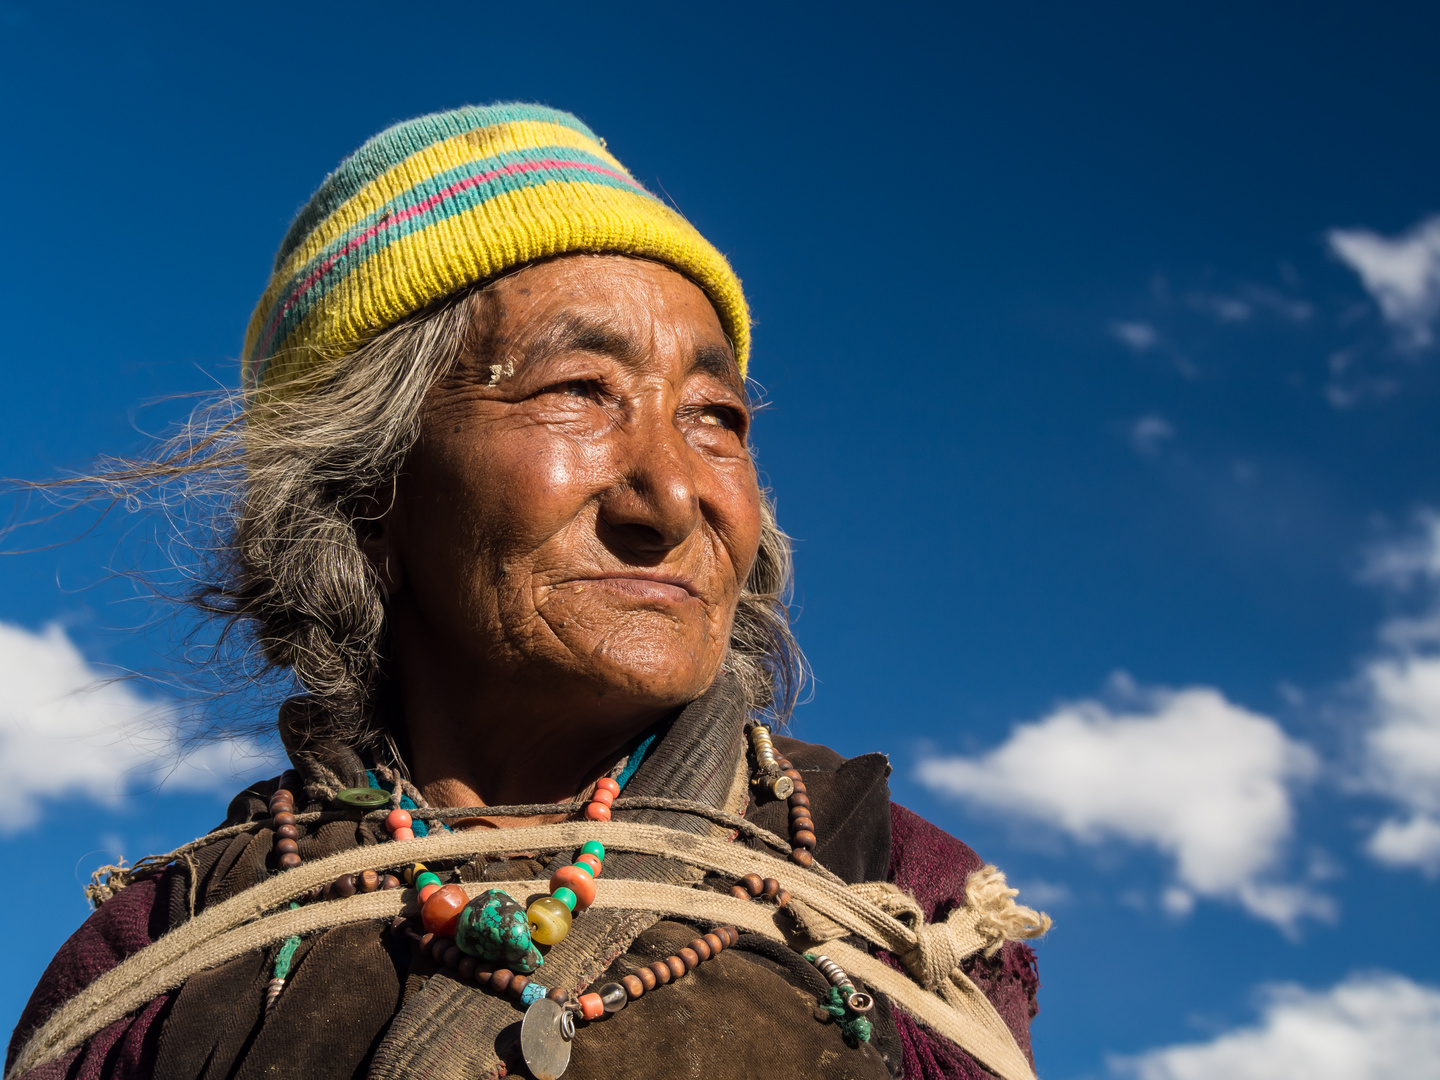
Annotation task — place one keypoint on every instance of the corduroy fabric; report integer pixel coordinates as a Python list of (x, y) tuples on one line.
[(443, 201)]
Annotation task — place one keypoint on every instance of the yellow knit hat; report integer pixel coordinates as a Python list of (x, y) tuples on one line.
[(432, 205)]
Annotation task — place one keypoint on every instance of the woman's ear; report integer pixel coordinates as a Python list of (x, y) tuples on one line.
[(373, 522)]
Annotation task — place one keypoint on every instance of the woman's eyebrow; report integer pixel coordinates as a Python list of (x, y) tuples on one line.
[(569, 332), (719, 361)]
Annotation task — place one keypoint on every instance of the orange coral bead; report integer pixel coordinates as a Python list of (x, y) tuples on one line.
[(591, 1006), (398, 819), (441, 913), (578, 882), (597, 812), (602, 797), (428, 891), (605, 783), (591, 861)]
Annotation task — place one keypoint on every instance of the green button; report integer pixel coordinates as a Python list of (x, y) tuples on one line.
[(363, 798)]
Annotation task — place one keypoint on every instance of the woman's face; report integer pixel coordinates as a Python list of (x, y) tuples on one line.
[(581, 510)]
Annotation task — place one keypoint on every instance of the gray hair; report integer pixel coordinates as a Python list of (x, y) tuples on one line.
[(290, 571)]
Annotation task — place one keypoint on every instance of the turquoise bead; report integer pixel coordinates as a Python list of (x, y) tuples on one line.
[(582, 866), (566, 897), (427, 878), (494, 927), (593, 847)]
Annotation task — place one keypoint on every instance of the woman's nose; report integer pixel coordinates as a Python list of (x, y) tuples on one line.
[(655, 506)]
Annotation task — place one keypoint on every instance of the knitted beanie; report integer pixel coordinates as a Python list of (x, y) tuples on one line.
[(434, 204)]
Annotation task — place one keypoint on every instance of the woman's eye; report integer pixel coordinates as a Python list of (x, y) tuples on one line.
[(583, 388), (718, 416)]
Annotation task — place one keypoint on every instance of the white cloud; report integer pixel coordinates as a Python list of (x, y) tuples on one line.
[(1148, 433), (69, 730), (1402, 275), (1369, 1027), (1138, 335), (1189, 774), (1402, 744)]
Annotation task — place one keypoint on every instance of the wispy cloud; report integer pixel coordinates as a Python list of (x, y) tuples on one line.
[(1185, 772), (1378, 1026), (1140, 336), (1149, 433), (1402, 745), (68, 729), (1401, 274)]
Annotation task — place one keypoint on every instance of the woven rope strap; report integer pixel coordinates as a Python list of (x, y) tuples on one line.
[(960, 1012)]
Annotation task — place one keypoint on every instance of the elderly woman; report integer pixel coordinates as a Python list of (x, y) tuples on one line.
[(499, 517)]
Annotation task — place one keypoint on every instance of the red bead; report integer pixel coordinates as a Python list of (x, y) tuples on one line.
[(591, 1006), (441, 913), (398, 819), (402, 834), (597, 812), (578, 882), (591, 861), (605, 783)]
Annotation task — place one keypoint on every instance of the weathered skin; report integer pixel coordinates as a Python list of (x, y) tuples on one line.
[(566, 546)]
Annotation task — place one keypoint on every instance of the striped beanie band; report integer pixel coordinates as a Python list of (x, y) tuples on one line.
[(434, 204)]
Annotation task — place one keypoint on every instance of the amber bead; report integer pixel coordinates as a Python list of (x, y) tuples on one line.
[(500, 981), (286, 818), (591, 1007), (367, 881), (286, 846), (390, 881), (771, 888), (689, 957), (549, 920), (700, 948), (452, 957), (800, 799), (288, 861), (287, 832), (801, 857), (713, 940), (466, 968), (647, 978), (662, 972), (633, 986), (676, 966), (739, 892), (803, 838), (578, 882), (442, 910), (753, 884)]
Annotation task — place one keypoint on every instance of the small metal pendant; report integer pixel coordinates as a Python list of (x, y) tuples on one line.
[(545, 1038)]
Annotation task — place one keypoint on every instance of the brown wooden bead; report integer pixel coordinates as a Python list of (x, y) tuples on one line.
[(501, 980), (713, 940), (559, 996), (771, 888), (753, 884), (287, 847), (700, 948), (368, 881), (452, 957), (466, 968), (802, 838), (739, 892), (676, 966), (438, 947), (782, 898), (484, 972), (689, 957), (426, 940), (287, 832), (517, 985), (344, 886), (647, 978), (783, 761), (662, 972), (633, 986), (794, 774), (283, 794), (288, 861), (726, 934), (286, 818), (800, 799), (801, 857), (799, 812), (802, 825), (390, 881), (282, 808)]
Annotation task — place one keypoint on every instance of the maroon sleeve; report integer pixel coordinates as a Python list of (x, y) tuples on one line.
[(125, 1050), (932, 865)]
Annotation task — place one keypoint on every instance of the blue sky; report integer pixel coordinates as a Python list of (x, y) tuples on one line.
[(1100, 353)]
